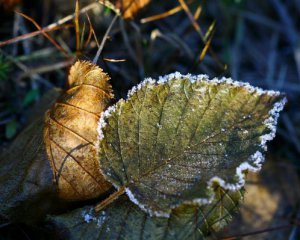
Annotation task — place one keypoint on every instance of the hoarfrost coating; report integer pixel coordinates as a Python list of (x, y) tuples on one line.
[(143, 207), (102, 122), (271, 122), (90, 216), (201, 78), (254, 162)]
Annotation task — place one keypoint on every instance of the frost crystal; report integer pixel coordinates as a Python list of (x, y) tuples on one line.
[(149, 81), (102, 122), (90, 216), (203, 78), (143, 207), (271, 122), (101, 219)]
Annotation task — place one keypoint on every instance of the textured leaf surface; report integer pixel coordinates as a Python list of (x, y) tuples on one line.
[(70, 133), (124, 220), (25, 172), (172, 139)]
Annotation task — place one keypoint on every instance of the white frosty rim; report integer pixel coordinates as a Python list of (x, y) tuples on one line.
[(256, 159)]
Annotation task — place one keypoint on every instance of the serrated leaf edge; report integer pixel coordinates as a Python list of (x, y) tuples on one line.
[(256, 159)]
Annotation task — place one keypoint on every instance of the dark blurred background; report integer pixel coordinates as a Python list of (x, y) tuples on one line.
[(251, 41)]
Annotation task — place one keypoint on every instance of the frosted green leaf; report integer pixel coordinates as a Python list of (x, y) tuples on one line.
[(124, 220), (172, 139)]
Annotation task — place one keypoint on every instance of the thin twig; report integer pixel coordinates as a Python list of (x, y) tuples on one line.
[(45, 69), (192, 19), (206, 47), (50, 27), (127, 42), (162, 15), (44, 33), (91, 33), (31, 34), (114, 60), (77, 30), (104, 39), (198, 12), (200, 32)]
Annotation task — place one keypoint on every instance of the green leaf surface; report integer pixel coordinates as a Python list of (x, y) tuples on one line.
[(172, 139), (124, 220)]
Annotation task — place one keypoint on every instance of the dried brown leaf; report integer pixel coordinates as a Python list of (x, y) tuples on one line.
[(70, 133), (130, 7)]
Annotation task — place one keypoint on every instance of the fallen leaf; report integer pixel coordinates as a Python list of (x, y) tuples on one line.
[(129, 8), (70, 133), (124, 220), (173, 139)]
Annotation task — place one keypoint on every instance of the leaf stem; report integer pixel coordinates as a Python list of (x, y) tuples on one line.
[(110, 199)]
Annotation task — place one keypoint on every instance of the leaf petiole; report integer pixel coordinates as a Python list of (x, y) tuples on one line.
[(110, 199)]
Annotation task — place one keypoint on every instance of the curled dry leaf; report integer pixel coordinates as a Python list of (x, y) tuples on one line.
[(70, 133), (130, 7)]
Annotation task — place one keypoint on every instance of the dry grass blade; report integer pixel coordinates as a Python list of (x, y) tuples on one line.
[(169, 13), (206, 47), (192, 19), (47, 68), (91, 33), (44, 33), (162, 15), (32, 34), (199, 31), (210, 30), (105, 38), (198, 12), (77, 29), (114, 60), (50, 27)]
